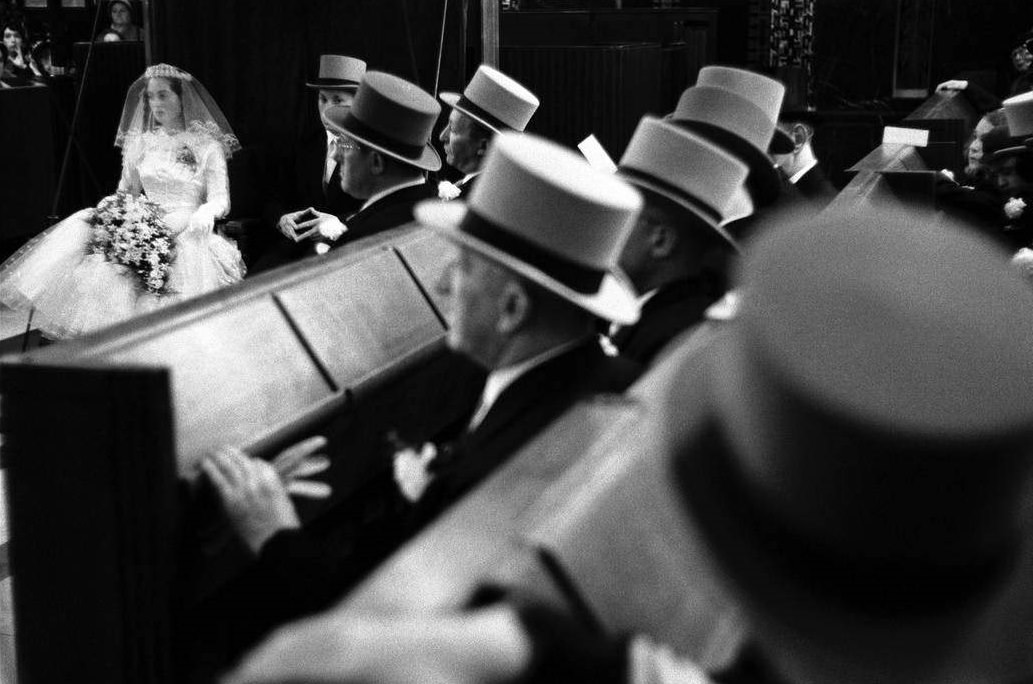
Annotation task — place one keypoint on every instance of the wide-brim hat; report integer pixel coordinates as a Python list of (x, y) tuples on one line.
[(541, 211), (392, 116), (686, 169), (853, 452), (338, 72), (494, 100), (738, 110), (999, 143)]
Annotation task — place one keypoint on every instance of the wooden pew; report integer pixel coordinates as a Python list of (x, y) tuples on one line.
[(103, 437), (587, 518)]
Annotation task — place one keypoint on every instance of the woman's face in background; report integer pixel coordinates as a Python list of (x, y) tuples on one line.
[(12, 40), (1021, 59), (166, 107), (119, 14)]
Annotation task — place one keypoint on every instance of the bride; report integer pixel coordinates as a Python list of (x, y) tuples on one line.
[(175, 142)]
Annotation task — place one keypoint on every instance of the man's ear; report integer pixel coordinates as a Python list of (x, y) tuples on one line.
[(663, 239), (801, 135), (376, 162), (515, 306)]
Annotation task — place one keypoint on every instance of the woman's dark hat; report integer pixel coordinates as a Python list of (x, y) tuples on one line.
[(392, 116), (738, 110), (338, 72)]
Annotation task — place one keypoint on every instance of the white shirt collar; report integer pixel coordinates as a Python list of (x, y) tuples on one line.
[(329, 161), (800, 174), (395, 188), (467, 178), (501, 378)]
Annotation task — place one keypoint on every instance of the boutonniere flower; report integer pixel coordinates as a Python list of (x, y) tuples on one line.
[(1014, 207), (412, 470), (448, 191), (185, 156)]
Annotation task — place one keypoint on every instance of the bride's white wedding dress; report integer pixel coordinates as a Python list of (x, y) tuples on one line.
[(74, 292)]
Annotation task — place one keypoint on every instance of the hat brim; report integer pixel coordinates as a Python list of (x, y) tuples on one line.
[(429, 160), (680, 201), (762, 181), (331, 84), (452, 100), (818, 638), (1010, 151), (615, 301)]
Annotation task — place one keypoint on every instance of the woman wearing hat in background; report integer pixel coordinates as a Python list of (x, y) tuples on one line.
[(121, 13)]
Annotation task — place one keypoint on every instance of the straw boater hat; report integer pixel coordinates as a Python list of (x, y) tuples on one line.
[(392, 116), (738, 110), (544, 213), (676, 164), (338, 72), (494, 100), (853, 453)]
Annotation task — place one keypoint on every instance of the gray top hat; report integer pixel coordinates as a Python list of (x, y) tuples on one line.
[(338, 72), (392, 116), (495, 100)]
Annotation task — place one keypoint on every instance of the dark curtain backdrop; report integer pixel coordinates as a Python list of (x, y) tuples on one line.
[(255, 55)]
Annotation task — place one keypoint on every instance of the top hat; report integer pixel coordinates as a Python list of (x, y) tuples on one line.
[(857, 474), (738, 110), (1018, 111), (494, 100), (392, 116), (999, 143), (676, 164), (338, 72), (541, 211)]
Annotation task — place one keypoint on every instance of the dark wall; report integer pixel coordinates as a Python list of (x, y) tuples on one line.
[(254, 55), (854, 43)]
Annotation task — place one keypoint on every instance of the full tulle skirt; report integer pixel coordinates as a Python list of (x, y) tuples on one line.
[(74, 292)]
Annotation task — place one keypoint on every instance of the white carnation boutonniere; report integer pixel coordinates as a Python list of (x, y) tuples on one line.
[(412, 470), (448, 191), (1014, 208)]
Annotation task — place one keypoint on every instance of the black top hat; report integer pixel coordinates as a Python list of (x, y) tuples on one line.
[(392, 116)]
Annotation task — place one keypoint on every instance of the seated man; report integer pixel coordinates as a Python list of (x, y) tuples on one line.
[(313, 176), (524, 294), (491, 103), (797, 160), (676, 255), (858, 492)]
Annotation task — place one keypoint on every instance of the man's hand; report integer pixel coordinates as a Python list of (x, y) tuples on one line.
[(287, 224), (327, 226), (486, 645), (256, 494)]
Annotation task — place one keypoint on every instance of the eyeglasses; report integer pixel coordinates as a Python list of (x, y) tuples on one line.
[(344, 144)]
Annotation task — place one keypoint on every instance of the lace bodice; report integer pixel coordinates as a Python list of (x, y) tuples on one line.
[(180, 172)]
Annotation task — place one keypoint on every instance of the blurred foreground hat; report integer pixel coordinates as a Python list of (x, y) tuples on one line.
[(392, 116), (858, 478), (541, 211), (738, 110), (338, 72), (495, 100), (1018, 111)]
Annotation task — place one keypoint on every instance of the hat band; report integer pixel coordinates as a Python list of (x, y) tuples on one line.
[(481, 113), (634, 174), (325, 81), (374, 137), (577, 277)]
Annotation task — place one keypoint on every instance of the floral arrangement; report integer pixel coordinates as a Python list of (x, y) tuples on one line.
[(185, 156), (1014, 208), (129, 231), (448, 191)]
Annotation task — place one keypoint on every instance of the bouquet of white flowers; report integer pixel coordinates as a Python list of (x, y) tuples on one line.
[(129, 231)]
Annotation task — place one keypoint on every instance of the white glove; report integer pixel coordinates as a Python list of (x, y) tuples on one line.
[(201, 221), (955, 84)]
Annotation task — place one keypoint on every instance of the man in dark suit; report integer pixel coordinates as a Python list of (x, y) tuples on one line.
[(491, 103), (672, 254), (313, 180), (385, 152), (796, 159), (523, 296)]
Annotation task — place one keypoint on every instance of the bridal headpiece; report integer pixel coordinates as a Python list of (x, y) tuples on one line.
[(201, 114)]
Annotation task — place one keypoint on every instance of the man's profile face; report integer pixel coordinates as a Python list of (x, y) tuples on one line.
[(471, 287), (357, 178), (462, 147), (1008, 178), (333, 96)]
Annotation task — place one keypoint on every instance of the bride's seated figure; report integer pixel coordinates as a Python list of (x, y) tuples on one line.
[(175, 142)]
